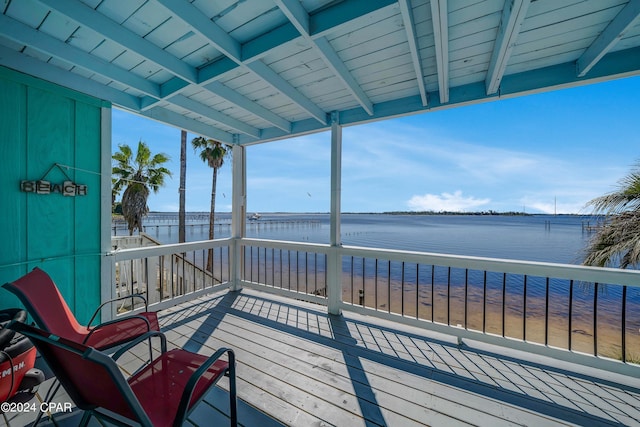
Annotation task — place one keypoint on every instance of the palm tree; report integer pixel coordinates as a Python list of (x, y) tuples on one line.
[(213, 153), (137, 175), (617, 242)]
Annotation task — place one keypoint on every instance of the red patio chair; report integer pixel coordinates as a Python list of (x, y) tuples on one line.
[(162, 394), (42, 299)]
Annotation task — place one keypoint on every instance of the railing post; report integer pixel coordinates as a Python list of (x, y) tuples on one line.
[(108, 291), (334, 259), (334, 281), (238, 215)]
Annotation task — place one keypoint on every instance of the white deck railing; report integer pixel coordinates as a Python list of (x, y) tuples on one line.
[(556, 309), (169, 274)]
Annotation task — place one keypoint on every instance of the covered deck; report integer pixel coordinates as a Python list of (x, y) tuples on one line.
[(326, 345), (298, 365)]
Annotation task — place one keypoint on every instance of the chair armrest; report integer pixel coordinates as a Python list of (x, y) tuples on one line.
[(183, 407), (111, 301), (115, 321), (128, 346)]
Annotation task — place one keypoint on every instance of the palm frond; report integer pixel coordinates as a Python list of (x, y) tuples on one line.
[(143, 154), (211, 152), (626, 197), (617, 243), (124, 151)]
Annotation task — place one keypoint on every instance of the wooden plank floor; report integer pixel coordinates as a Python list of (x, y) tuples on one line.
[(298, 366), (303, 367)]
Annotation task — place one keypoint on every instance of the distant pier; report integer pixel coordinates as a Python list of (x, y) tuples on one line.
[(169, 225), (588, 227)]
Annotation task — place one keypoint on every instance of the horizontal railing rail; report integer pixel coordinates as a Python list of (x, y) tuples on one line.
[(169, 274), (533, 268)]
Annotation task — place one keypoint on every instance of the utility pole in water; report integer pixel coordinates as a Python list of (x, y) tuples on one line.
[(183, 184)]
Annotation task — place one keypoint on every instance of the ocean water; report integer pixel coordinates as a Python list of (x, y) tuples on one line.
[(546, 238)]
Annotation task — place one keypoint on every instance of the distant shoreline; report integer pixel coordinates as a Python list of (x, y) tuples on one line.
[(418, 213)]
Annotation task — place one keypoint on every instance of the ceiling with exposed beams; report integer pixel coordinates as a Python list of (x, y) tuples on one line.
[(247, 71)]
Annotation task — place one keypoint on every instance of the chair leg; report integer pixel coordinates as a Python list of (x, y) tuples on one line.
[(150, 351), (85, 418), (38, 417), (233, 401), (47, 399)]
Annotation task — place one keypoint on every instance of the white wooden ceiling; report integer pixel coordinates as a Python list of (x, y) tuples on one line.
[(246, 71)]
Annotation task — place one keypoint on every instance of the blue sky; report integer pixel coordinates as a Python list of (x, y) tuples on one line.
[(539, 153)]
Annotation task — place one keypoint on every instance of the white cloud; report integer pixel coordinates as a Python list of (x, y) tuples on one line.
[(445, 202)]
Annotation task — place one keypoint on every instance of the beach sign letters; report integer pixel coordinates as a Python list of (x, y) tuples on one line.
[(66, 188), (41, 186)]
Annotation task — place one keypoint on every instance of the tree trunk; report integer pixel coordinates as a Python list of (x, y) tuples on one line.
[(183, 184), (212, 215), (134, 206)]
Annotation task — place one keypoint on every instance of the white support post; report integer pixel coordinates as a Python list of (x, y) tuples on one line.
[(107, 263), (334, 259), (238, 213)]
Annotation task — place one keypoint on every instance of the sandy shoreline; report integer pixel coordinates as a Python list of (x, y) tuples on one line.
[(389, 297)]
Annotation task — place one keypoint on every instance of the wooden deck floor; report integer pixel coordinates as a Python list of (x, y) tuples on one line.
[(298, 366)]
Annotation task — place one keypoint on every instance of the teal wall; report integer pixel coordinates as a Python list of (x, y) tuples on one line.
[(42, 124)]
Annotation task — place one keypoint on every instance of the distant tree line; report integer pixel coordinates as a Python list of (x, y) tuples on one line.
[(489, 212)]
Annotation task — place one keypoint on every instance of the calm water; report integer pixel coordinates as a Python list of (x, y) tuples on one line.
[(546, 238)]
